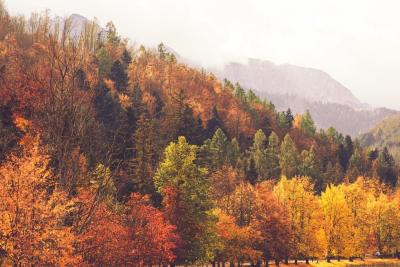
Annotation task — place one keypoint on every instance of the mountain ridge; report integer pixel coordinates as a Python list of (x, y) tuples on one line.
[(267, 76), (303, 88)]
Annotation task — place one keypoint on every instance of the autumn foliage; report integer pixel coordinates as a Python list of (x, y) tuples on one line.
[(137, 236), (32, 211), (113, 155)]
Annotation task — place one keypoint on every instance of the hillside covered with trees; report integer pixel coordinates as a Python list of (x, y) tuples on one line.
[(112, 155), (385, 134)]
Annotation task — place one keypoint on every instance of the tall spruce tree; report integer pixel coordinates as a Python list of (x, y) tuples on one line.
[(180, 120), (258, 153), (307, 125), (214, 123), (219, 147), (289, 157), (146, 151), (309, 165), (272, 153), (251, 174), (118, 75), (234, 152), (386, 168)]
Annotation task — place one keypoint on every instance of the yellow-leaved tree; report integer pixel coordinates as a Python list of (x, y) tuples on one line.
[(357, 197), (337, 222), (385, 216), (304, 216), (32, 210)]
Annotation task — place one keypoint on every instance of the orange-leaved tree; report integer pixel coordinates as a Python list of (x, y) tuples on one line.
[(32, 230), (109, 233), (235, 242)]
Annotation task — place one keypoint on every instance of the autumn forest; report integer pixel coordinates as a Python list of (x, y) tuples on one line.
[(119, 155)]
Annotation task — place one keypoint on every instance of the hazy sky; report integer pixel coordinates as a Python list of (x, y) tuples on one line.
[(355, 41)]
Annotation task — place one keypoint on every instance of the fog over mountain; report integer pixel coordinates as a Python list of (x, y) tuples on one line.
[(300, 88), (269, 78)]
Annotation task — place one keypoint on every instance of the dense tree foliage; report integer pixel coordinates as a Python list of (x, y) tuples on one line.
[(112, 155)]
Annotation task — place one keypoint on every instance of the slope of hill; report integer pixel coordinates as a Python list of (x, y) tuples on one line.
[(306, 88), (344, 118), (311, 84), (384, 134)]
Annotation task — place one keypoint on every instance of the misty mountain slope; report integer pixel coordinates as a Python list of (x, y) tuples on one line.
[(344, 118), (384, 134), (311, 84), (78, 24), (299, 88)]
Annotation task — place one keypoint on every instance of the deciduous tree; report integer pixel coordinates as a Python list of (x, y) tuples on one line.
[(31, 215)]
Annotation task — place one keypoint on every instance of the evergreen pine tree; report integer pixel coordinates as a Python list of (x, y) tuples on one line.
[(386, 168), (309, 164), (240, 93), (234, 152), (289, 157), (181, 122), (251, 172), (146, 152), (307, 125), (219, 148), (272, 153), (258, 154), (118, 75), (289, 118), (104, 62), (126, 59), (214, 123)]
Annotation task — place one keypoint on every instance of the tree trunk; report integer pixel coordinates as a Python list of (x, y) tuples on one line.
[(287, 261), (295, 261), (277, 262), (328, 259), (338, 258), (307, 261)]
